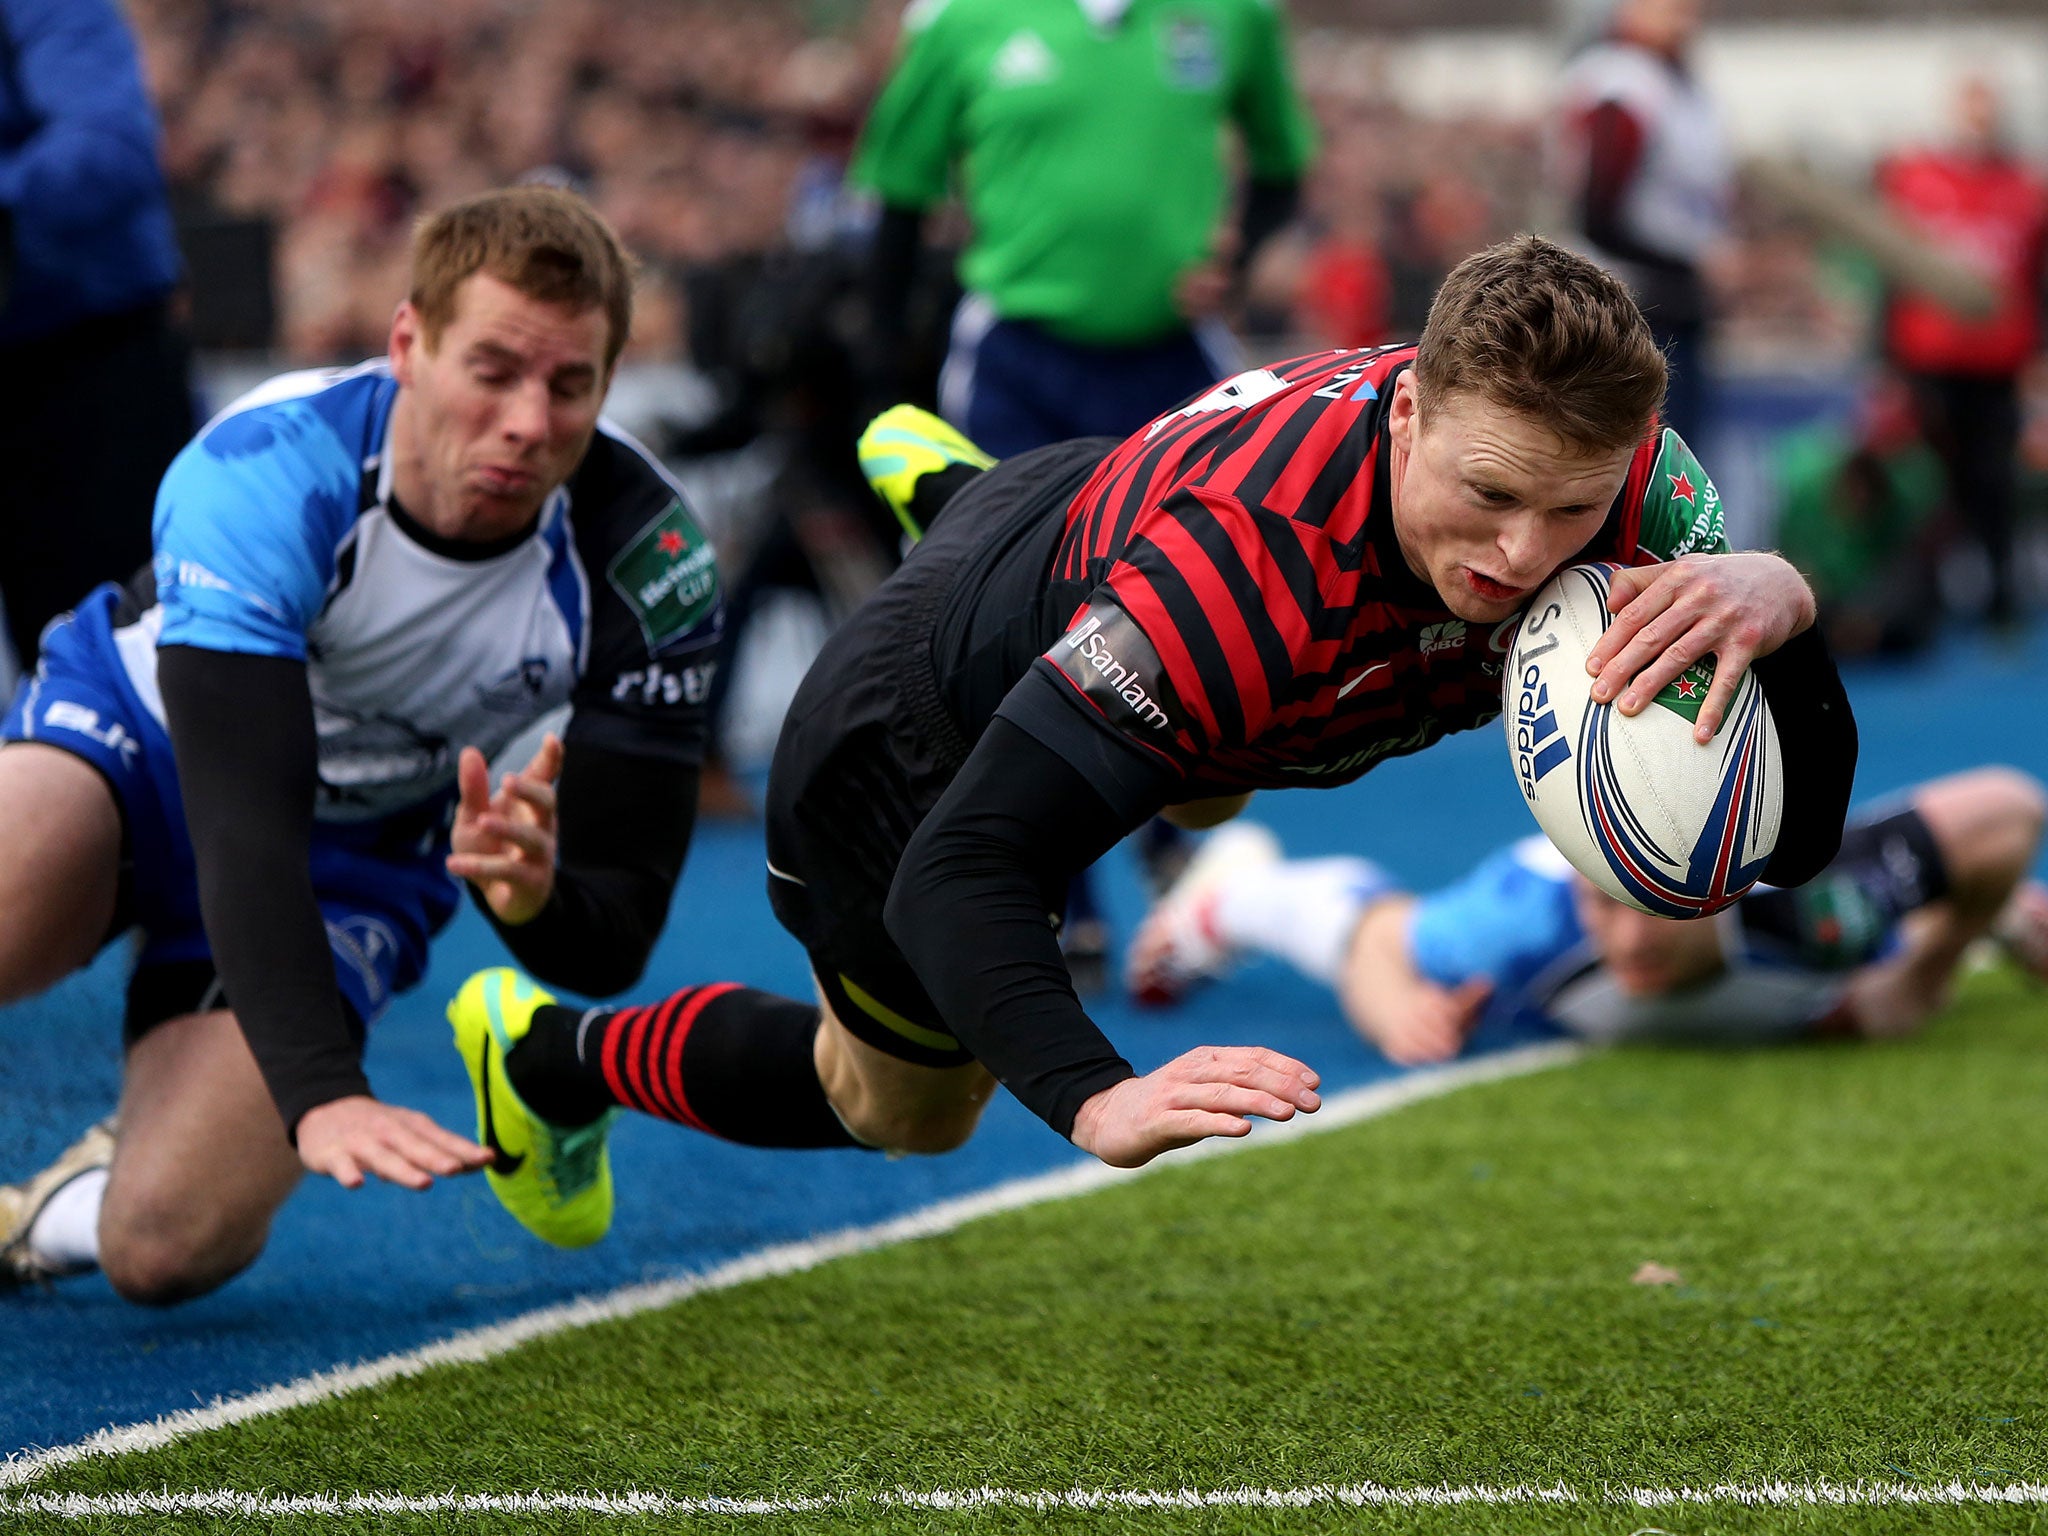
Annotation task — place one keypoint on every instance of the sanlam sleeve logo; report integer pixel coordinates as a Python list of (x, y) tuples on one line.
[(1108, 658)]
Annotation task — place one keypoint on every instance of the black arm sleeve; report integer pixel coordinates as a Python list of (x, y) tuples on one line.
[(242, 730), (622, 830), (1268, 205), (968, 909), (892, 270), (1817, 744)]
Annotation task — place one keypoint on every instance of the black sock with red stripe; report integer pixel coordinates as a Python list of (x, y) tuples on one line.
[(725, 1059)]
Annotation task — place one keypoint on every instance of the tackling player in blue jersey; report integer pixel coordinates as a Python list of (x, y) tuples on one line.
[(365, 584), (1868, 948)]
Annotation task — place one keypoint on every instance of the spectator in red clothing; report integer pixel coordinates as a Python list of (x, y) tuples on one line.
[(1983, 206)]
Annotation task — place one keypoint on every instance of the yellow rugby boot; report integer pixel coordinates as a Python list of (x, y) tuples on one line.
[(555, 1179), (903, 445)]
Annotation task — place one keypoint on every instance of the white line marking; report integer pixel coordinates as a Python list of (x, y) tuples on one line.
[(479, 1344), (1861, 1493), (81, 1506)]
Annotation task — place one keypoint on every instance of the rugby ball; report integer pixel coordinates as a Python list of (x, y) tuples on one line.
[(1639, 808)]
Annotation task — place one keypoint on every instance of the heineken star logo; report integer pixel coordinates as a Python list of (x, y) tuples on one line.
[(1686, 693), (1682, 488), (671, 543)]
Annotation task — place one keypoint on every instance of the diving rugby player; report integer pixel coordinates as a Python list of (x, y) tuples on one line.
[(1311, 568)]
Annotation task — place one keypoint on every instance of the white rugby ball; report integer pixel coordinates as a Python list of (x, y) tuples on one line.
[(1641, 809)]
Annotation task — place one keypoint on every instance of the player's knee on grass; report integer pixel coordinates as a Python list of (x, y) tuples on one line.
[(159, 1256)]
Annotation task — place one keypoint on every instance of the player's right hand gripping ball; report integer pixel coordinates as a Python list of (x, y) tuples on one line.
[(1641, 809)]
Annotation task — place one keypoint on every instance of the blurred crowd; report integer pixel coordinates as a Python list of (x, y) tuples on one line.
[(707, 131), (715, 137), (704, 132), (337, 121)]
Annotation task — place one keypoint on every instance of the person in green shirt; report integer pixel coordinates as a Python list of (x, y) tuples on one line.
[(1086, 138), (1857, 511)]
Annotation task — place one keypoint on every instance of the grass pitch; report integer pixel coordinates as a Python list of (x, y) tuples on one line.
[(1439, 1300)]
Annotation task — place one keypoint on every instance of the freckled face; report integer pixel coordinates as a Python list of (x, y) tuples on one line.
[(497, 411), (1488, 503)]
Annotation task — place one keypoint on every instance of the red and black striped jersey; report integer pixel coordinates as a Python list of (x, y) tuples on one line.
[(1250, 621)]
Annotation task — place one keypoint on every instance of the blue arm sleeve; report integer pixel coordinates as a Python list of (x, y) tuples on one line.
[(247, 521), (1506, 920), (94, 155)]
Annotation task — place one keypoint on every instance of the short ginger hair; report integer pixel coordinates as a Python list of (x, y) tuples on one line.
[(1539, 330), (547, 243)]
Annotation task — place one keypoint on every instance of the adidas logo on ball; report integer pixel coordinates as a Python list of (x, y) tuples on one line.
[(1539, 745)]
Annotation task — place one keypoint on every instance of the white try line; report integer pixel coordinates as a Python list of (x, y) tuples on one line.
[(81, 1506), (785, 1258)]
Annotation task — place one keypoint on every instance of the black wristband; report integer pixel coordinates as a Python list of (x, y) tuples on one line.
[(1817, 745)]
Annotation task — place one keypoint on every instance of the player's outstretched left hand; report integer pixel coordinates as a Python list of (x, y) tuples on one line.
[(358, 1135), (1211, 1091), (504, 843), (1666, 617)]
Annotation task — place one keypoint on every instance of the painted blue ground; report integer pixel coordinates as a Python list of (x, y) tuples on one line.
[(353, 1276)]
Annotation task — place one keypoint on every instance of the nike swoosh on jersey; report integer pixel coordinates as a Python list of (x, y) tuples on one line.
[(1378, 666), (502, 1161)]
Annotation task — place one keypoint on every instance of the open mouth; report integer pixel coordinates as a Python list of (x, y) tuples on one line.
[(1493, 591)]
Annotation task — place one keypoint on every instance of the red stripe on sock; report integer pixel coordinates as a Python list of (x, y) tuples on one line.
[(625, 1021), (672, 1061), (661, 1017)]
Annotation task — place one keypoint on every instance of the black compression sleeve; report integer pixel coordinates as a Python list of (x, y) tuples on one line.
[(891, 272), (1817, 745), (242, 731), (968, 909), (1268, 205), (623, 827)]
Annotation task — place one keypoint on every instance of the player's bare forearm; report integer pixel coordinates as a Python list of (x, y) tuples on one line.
[(1734, 607), (1377, 969), (1410, 1018)]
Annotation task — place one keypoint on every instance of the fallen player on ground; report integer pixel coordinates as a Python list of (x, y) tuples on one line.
[(1868, 948)]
